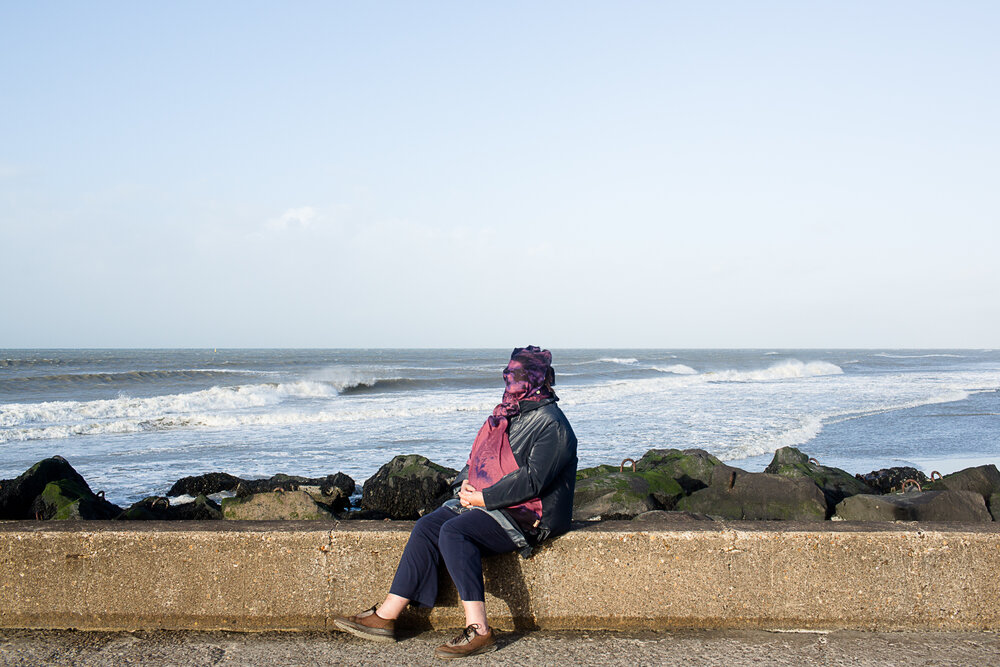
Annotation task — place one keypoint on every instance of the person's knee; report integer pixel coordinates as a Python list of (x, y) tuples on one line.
[(450, 536), (425, 529)]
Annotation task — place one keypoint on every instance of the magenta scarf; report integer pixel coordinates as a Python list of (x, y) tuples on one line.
[(528, 377)]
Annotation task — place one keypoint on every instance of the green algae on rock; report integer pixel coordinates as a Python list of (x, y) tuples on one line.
[(407, 486), (836, 484), (737, 494)]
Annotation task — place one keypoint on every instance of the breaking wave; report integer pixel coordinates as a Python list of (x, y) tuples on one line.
[(793, 368), (676, 369)]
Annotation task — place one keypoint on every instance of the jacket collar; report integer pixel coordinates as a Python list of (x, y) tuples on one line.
[(528, 406)]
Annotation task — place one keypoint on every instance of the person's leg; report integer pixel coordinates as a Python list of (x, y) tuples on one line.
[(463, 541), (416, 577)]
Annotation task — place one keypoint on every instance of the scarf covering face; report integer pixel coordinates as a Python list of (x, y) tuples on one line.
[(528, 377)]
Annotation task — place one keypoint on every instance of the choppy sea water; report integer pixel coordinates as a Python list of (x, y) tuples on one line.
[(133, 421)]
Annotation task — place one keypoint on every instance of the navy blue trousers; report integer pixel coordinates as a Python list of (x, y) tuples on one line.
[(461, 540)]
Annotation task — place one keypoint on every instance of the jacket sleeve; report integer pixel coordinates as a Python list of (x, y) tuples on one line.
[(548, 455)]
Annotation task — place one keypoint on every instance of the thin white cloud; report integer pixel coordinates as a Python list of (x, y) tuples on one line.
[(301, 217)]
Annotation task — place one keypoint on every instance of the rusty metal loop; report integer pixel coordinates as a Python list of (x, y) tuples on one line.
[(100, 494), (814, 462), (935, 473), (911, 482), (280, 490), (621, 468), (160, 500)]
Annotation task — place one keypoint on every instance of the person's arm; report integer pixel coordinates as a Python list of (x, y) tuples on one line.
[(549, 454)]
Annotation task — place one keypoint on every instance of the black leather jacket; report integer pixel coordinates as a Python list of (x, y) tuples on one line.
[(544, 446)]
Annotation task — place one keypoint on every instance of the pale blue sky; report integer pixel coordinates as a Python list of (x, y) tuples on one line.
[(443, 174)]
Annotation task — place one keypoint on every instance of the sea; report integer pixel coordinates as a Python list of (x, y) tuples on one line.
[(134, 421)]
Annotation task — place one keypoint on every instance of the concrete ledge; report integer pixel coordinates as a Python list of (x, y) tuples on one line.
[(615, 575)]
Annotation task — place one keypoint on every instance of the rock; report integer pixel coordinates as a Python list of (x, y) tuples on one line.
[(273, 506), (157, 508), (663, 516), (207, 484), (691, 468), (984, 480), (407, 487), (17, 496), (836, 484), (69, 499), (889, 480), (737, 494), (604, 492), (613, 495), (334, 491), (993, 504), (964, 506)]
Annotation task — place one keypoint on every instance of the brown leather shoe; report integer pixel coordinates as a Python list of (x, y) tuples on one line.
[(368, 625), (469, 642)]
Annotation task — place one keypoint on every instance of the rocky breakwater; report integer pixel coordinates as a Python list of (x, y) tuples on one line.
[(691, 484), (663, 485)]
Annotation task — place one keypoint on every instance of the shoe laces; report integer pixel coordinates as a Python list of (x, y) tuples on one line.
[(466, 635)]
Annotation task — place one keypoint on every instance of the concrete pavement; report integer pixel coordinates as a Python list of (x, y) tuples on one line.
[(709, 647)]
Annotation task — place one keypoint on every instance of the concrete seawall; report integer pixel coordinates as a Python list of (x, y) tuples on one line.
[(613, 575)]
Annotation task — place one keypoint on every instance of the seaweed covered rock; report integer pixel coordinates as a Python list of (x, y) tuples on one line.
[(660, 478), (158, 508), (29, 496), (889, 480), (984, 480), (273, 506), (691, 468), (69, 499), (607, 492), (737, 494), (407, 486), (836, 484), (17, 496), (207, 484), (964, 506)]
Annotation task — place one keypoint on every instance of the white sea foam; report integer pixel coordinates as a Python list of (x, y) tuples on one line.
[(792, 368), (755, 444), (215, 398), (346, 377), (618, 360), (676, 369)]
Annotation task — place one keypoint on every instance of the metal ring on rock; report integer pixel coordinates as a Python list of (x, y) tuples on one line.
[(621, 468), (161, 500), (814, 462), (912, 482), (935, 473), (100, 494)]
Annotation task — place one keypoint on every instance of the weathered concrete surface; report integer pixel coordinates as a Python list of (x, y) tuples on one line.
[(681, 648), (612, 575)]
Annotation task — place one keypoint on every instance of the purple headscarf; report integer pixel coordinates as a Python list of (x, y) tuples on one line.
[(528, 377)]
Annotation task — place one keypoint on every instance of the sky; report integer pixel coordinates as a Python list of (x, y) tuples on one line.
[(456, 174)]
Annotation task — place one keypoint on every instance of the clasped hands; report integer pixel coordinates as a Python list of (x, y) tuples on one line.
[(469, 497)]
